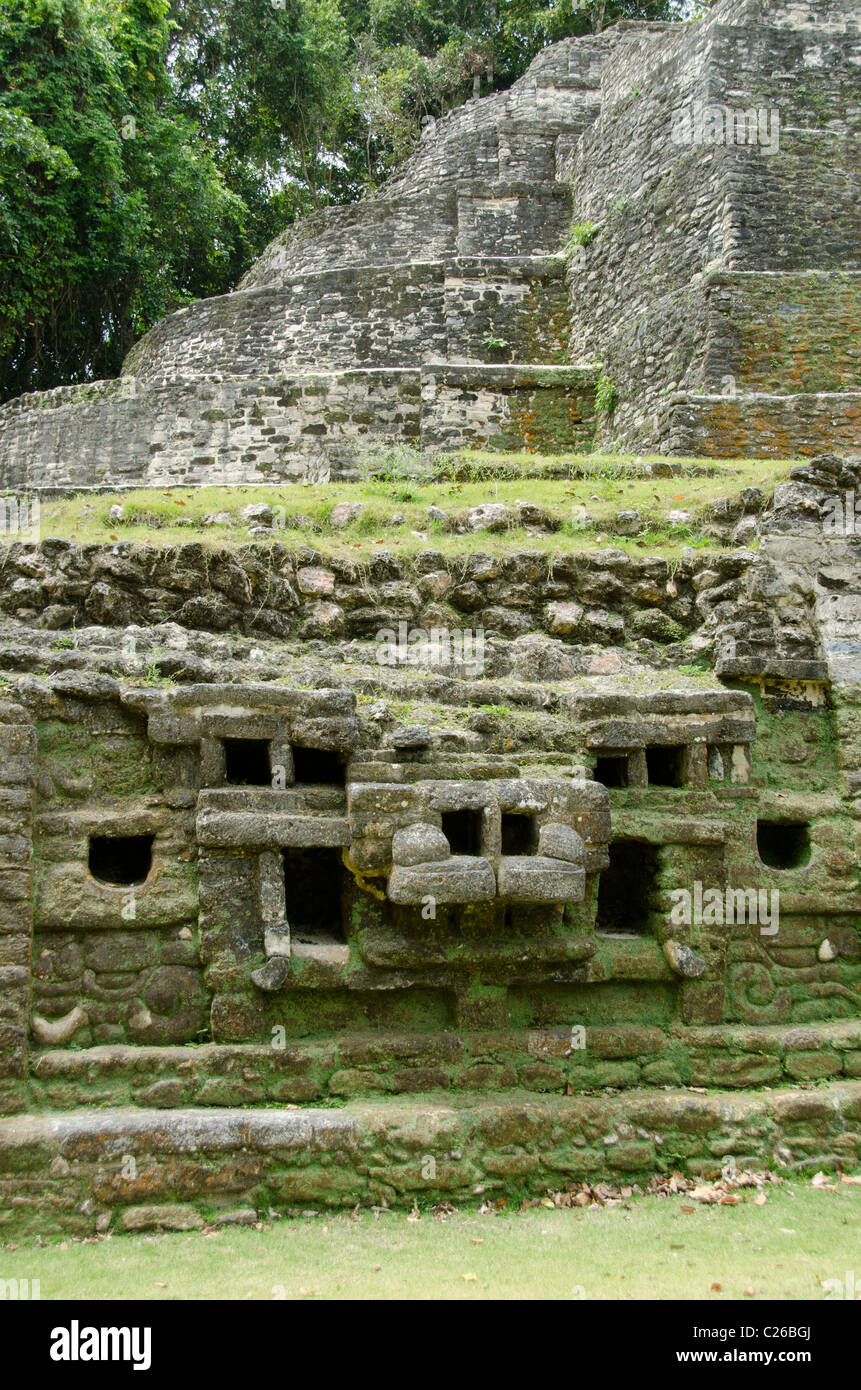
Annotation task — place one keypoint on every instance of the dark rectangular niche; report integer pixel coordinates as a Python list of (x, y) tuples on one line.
[(626, 890), (313, 887), (612, 771), (246, 762), (122, 860), (519, 833), (783, 844), (462, 829), (318, 766), (665, 766)]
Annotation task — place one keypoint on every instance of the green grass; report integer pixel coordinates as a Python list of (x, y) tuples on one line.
[(647, 1247), (598, 485)]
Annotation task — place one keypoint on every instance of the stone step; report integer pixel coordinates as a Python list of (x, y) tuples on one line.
[(286, 428), (368, 316), (437, 218), (762, 425), (783, 331), (729, 1056), (69, 1173)]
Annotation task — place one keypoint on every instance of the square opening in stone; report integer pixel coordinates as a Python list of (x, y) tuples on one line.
[(120, 859), (519, 833), (664, 767), (627, 889), (612, 770), (318, 766), (783, 844), (313, 888), (246, 762), (462, 829)]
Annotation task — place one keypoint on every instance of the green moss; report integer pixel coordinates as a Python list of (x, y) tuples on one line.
[(116, 765)]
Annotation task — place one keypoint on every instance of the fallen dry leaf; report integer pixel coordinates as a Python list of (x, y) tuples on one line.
[(469, 1276), (689, 1211), (716, 1288)]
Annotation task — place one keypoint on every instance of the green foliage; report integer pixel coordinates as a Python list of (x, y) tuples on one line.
[(583, 234), (605, 394), (266, 81), (495, 344), (112, 212)]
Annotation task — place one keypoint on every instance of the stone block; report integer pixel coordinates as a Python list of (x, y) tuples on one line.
[(534, 878), (460, 879)]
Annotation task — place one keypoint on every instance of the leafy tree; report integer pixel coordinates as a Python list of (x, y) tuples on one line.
[(112, 211), (267, 82)]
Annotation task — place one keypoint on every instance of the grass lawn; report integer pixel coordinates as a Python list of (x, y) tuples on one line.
[(646, 1248), (584, 503)]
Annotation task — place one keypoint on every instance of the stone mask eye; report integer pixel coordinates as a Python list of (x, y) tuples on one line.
[(783, 844), (247, 762), (462, 829), (120, 859)]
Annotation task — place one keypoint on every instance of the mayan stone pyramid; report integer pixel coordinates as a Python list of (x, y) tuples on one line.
[(673, 209)]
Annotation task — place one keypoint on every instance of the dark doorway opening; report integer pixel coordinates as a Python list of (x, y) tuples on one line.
[(313, 881), (626, 890), (612, 771), (783, 844), (519, 833), (121, 859), (462, 829), (318, 766), (246, 762), (664, 767)]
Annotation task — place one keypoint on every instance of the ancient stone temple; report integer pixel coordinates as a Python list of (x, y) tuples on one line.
[(672, 209), (283, 924)]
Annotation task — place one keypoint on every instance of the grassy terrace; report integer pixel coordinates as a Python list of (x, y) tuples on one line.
[(582, 494)]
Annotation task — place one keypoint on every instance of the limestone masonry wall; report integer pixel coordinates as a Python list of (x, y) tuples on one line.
[(287, 428)]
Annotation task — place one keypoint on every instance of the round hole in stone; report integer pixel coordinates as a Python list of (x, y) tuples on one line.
[(121, 860)]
